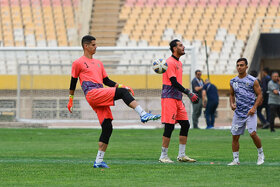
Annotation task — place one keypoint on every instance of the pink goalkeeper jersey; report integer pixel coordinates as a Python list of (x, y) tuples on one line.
[(90, 72), (174, 70)]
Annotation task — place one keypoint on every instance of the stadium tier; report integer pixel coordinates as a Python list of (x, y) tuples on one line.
[(224, 24), (38, 22)]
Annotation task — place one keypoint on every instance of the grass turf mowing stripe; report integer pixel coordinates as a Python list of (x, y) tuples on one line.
[(122, 162), (64, 157)]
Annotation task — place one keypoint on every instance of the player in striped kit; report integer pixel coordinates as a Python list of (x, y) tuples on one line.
[(243, 91)]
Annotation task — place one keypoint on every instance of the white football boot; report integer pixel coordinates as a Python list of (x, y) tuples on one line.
[(166, 160), (260, 159), (234, 163), (185, 159)]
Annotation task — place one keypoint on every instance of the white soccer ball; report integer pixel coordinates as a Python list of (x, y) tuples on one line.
[(159, 66)]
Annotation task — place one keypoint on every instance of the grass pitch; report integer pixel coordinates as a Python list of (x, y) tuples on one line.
[(64, 157)]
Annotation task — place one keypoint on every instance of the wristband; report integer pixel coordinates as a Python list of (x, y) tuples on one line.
[(187, 91), (120, 86), (71, 96)]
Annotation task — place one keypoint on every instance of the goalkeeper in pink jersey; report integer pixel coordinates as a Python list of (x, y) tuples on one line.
[(172, 108), (92, 76)]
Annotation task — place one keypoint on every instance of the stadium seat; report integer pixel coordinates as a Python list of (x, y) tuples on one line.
[(225, 24)]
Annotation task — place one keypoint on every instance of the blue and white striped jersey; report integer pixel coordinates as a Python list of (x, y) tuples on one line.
[(245, 96)]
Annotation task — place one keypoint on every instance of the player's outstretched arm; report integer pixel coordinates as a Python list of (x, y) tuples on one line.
[(73, 84), (193, 97), (110, 83)]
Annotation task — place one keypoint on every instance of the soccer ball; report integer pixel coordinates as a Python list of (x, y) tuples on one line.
[(159, 66)]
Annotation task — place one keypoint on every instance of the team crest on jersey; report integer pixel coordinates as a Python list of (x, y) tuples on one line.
[(235, 85), (247, 84)]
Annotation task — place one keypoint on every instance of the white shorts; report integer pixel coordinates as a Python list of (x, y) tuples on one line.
[(239, 124)]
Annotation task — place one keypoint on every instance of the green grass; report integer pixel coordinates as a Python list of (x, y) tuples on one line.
[(59, 157)]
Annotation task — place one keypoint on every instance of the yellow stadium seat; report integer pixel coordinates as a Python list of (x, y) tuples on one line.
[(145, 37), (180, 30), (164, 43), (265, 29), (209, 10), (63, 43), (19, 43), (251, 10), (276, 25), (198, 10), (233, 29), (135, 37), (151, 23), (125, 11), (242, 36), (153, 43), (217, 46), (209, 40), (188, 35), (199, 36), (272, 11), (8, 43), (147, 10), (172, 25)]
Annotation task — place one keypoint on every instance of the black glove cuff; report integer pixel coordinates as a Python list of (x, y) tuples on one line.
[(187, 91)]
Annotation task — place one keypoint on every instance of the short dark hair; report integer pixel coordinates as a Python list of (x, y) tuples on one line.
[(87, 39), (196, 71), (266, 70), (254, 73), (242, 59), (274, 73), (172, 44)]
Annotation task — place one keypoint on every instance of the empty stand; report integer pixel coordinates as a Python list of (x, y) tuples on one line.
[(38, 22), (224, 24)]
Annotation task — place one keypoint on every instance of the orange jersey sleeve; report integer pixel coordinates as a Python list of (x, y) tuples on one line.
[(76, 69)]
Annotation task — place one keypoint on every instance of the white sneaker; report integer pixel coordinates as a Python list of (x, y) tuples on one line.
[(234, 163), (165, 160), (260, 159), (185, 159)]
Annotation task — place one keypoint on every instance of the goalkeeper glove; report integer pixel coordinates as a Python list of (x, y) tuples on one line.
[(70, 103), (126, 87), (193, 97)]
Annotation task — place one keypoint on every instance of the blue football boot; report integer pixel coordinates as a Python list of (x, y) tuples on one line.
[(148, 117), (100, 165)]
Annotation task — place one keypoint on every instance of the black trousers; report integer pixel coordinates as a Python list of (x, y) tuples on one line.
[(274, 112)]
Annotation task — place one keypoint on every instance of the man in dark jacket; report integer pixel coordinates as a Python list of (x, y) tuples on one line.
[(210, 91), (264, 82)]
